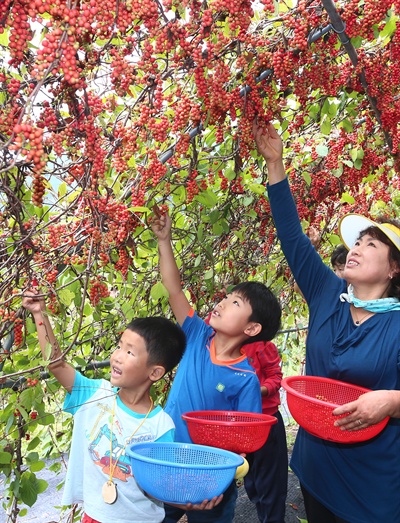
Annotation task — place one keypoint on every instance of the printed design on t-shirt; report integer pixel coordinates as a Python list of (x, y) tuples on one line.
[(220, 387), (107, 447)]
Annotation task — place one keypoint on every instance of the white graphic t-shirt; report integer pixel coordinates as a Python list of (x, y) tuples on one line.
[(100, 438)]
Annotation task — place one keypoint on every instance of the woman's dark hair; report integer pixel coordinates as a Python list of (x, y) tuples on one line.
[(265, 307), (394, 253), (165, 341)]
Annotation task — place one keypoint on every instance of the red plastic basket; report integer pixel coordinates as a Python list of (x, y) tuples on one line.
[(240, 432), (311, 400)]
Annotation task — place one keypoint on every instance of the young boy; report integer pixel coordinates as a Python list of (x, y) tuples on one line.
[(110, 416), (214, 373), (338, 259)]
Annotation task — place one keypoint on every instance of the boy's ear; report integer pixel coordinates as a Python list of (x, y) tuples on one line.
[(253, 329), (157, 372)]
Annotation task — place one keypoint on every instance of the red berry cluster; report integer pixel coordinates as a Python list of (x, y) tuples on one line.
[(97, 291), (18, 331), (29, 141)]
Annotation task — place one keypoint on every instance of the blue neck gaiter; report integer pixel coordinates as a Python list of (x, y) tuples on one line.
[(380, 305)]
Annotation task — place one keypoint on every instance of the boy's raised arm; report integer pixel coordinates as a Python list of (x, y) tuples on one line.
[(170, 275), (62, 371)]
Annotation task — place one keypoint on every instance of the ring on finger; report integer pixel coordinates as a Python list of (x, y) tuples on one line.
[(359, 422)]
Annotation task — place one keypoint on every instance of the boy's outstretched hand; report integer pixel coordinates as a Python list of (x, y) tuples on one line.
[(33, 301), (161, 226)]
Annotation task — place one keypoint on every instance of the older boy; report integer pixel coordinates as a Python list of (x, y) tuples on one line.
[(214, 372)]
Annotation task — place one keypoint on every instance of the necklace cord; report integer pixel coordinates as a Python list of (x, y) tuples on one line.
[(114, 464), (358, 321)]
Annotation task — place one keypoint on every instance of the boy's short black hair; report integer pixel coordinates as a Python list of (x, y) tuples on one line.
[(165, 341), (339, 255), (266, 309)]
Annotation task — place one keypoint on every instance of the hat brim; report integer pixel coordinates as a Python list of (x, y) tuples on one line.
[(351, 225)]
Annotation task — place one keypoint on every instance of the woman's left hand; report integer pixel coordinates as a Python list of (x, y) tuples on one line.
[(370, 408)]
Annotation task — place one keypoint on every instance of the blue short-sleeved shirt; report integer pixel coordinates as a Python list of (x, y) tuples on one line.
[(204, 383)]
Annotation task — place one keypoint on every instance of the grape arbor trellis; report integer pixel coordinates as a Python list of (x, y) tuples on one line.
[(110, 106)]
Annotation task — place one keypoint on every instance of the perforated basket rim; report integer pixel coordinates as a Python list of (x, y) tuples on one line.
[(286, 385), (237, 460), (263, 419)]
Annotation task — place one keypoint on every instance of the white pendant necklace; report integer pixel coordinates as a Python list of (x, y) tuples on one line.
[(109, 492)]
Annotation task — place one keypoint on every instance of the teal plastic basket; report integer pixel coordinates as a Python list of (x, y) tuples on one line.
[(182, 472)]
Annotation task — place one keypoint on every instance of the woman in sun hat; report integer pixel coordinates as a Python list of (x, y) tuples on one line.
[(353, 336)]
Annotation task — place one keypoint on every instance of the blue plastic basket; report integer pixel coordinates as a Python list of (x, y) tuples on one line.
[(182, 472)]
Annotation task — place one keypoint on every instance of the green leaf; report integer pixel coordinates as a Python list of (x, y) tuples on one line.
[(229, 174), (37, 466), (358, 164), (347, 125), (197, 261), (251, 213), (42, 485), (322, 150), (32, 457), (335, 239), (132, 161), (209, 274), (290, 320), (214, 216), (87, 309), (47, 351), (326, 126), (4, 38), (217, 229), (357, 41), (248, 200), (29, 488), (200, 235), (23, 412), (349, 163), (46, 420), (225, 226), (158, 291), (144, 210), (5, 458), (390, 27), (354, 154), (34, 443), (307, 177), (347, 198), (66, 297), (62, 189), (55, 467), (257, 188), (207, 198), (80, 362), (27, 398)]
